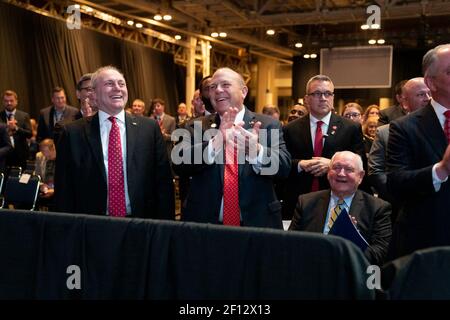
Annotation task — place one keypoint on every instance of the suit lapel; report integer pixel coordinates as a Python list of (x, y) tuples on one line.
[(333, 127), (3, 116), (51, 116), (212, 121), (132, 128), (304, 127), (322, 210), (357, 205), (432, 130), (92, 129)]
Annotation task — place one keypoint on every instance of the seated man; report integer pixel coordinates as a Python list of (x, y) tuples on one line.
[(370, 215), (45, 168)]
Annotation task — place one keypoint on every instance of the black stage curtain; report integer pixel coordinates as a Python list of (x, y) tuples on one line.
[(149, 259), (39, 53)]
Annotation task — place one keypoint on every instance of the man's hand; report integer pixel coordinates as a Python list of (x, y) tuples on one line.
[(226, 129), (317, 166), (86, 108), (248, 140), (12, 125), (443, 167)]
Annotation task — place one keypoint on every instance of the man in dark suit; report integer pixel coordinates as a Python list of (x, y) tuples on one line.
[(314, 211), (312, 146), (415, 95), (166, 122), (113, 163), (418, 162), (19, 129), (58, 112), (258, 161), (5, 146), (395, 111)]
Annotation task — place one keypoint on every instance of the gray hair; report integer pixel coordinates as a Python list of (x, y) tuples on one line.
[(97, 72), (430, 58), (359, 163), (319, 77)]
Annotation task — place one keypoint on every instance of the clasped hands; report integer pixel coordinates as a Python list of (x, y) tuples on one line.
[(235, 136), (317, 166)]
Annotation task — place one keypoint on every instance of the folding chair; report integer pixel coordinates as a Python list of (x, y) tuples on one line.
[(20, 195)]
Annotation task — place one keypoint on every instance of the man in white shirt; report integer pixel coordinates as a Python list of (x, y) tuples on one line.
[(113, 163)]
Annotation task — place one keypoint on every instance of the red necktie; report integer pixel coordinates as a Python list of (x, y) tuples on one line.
[(318, 146), (116, 187), (231, 212), (447, 125)]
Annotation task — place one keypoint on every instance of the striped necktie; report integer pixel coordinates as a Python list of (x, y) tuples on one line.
[(335, 212)]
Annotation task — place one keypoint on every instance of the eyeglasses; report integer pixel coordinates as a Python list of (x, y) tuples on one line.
[(299, 112), (88, 89), (338, 169), (352, 115), (318, 94)]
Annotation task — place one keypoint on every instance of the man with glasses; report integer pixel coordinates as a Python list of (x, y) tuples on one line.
[(84, 92), (313, 139), (317, 211)]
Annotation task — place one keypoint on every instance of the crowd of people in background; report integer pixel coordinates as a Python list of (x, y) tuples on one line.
[(388, 168)]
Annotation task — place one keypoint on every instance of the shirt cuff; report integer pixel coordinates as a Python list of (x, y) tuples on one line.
[(436, 181), (299, 167)]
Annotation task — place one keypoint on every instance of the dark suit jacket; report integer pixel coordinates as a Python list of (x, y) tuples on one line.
[(5, 146), (46, 127), (80, 179), (377, 162), (19, 154), (343, 134), (257, 200), (372, 216), (391, 113), (416, 143)]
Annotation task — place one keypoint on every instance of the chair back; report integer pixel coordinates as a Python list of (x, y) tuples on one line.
[(20, 195)]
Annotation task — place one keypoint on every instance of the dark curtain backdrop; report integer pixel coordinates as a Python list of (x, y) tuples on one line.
[(38, 53)]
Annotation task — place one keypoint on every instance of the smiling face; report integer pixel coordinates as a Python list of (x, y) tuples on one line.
[(227, 89), (110, 91), (345, 174)]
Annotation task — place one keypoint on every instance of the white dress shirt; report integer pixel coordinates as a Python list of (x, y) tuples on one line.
[(439, 110)]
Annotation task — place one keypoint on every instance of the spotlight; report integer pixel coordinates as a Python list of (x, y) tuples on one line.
[(130, 22), (138, 25), (214, 34), (157, 17), (167, 17), (365, 26), (306, 56), (177, 37), (298, 45), (381, 41), (313, 55), (372, 41), (270, 32), (222, 34)]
